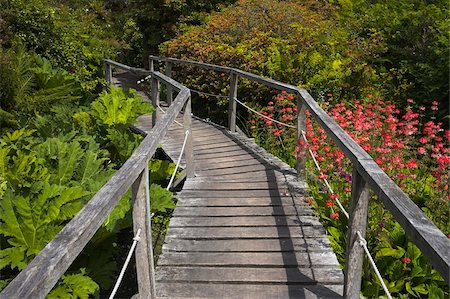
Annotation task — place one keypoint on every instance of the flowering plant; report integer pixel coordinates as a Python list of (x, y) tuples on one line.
[(408, 144)]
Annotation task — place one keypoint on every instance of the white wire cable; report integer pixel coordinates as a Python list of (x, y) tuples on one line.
[(361, 240), (325, 180), (260, 114), (363, 243), (179, 161), (125, 265), (164, 112)]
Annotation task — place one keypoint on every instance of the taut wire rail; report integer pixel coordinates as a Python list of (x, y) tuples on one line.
[(125, 265), (366, 174)]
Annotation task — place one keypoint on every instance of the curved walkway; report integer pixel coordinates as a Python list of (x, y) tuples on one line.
[(241, 228)]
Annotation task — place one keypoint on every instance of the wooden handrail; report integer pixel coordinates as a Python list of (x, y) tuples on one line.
[(420, 229), (43, 272)]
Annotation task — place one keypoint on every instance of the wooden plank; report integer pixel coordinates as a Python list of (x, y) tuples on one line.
[(233, 202), (249, 259), (240, 211), (232, 164), (243, 232), (235, 193), (317, 243), (259, 221), (192, 185), (243, 170), (247, 291), (250, 275)]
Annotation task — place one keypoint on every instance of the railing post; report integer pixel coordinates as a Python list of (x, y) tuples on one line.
[(168, 73), (232, 102), (108, 75), (155, 98), (144, 249), (359, 205), (151, 65), (189, 150), (301, 127)]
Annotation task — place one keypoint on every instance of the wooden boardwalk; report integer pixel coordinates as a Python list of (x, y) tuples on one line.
[(241, 228)]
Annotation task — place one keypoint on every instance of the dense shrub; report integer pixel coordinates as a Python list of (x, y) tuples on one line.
[(348, 48)]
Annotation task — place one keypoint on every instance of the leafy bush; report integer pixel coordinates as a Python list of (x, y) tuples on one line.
[(348, 48), (71, 37)]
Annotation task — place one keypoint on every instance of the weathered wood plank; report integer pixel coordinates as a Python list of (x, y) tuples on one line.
[(317, 243), (249, 275), (240, 211), (244, 232), (248, 291), (259, 221), (249, 259), (235, 193), (243, 170), (234, 202), (192, 185)]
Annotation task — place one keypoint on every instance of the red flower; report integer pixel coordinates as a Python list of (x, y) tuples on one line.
[(423, 140), (334, 215), (421, 150), (406, 260), (334, 196), (329, 203), (411, 164)]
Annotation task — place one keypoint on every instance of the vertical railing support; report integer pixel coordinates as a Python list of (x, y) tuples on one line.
[(108, 75), (301, 127), (151, 63), (232, 102), (169, 91), (144, 250), (189, 150), (359, 205), (155, 98)]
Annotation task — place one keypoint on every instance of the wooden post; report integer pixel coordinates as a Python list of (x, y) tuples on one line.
[(144, 251), (359, 205), (151, 65), (155, 98), (169, 91), (232, 102), (301, 126), (108, 75), (189, 149)]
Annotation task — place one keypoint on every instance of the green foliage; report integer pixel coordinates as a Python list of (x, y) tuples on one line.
[(74, 286), (160, 170), (119, 107), (348, 48), (32, 85), (161, 199), (31, 222), (70, 36)]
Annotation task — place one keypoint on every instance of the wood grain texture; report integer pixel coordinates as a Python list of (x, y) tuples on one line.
[(242, 220)]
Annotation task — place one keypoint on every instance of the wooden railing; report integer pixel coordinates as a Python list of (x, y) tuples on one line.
[(366, 174), (40, 276)]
